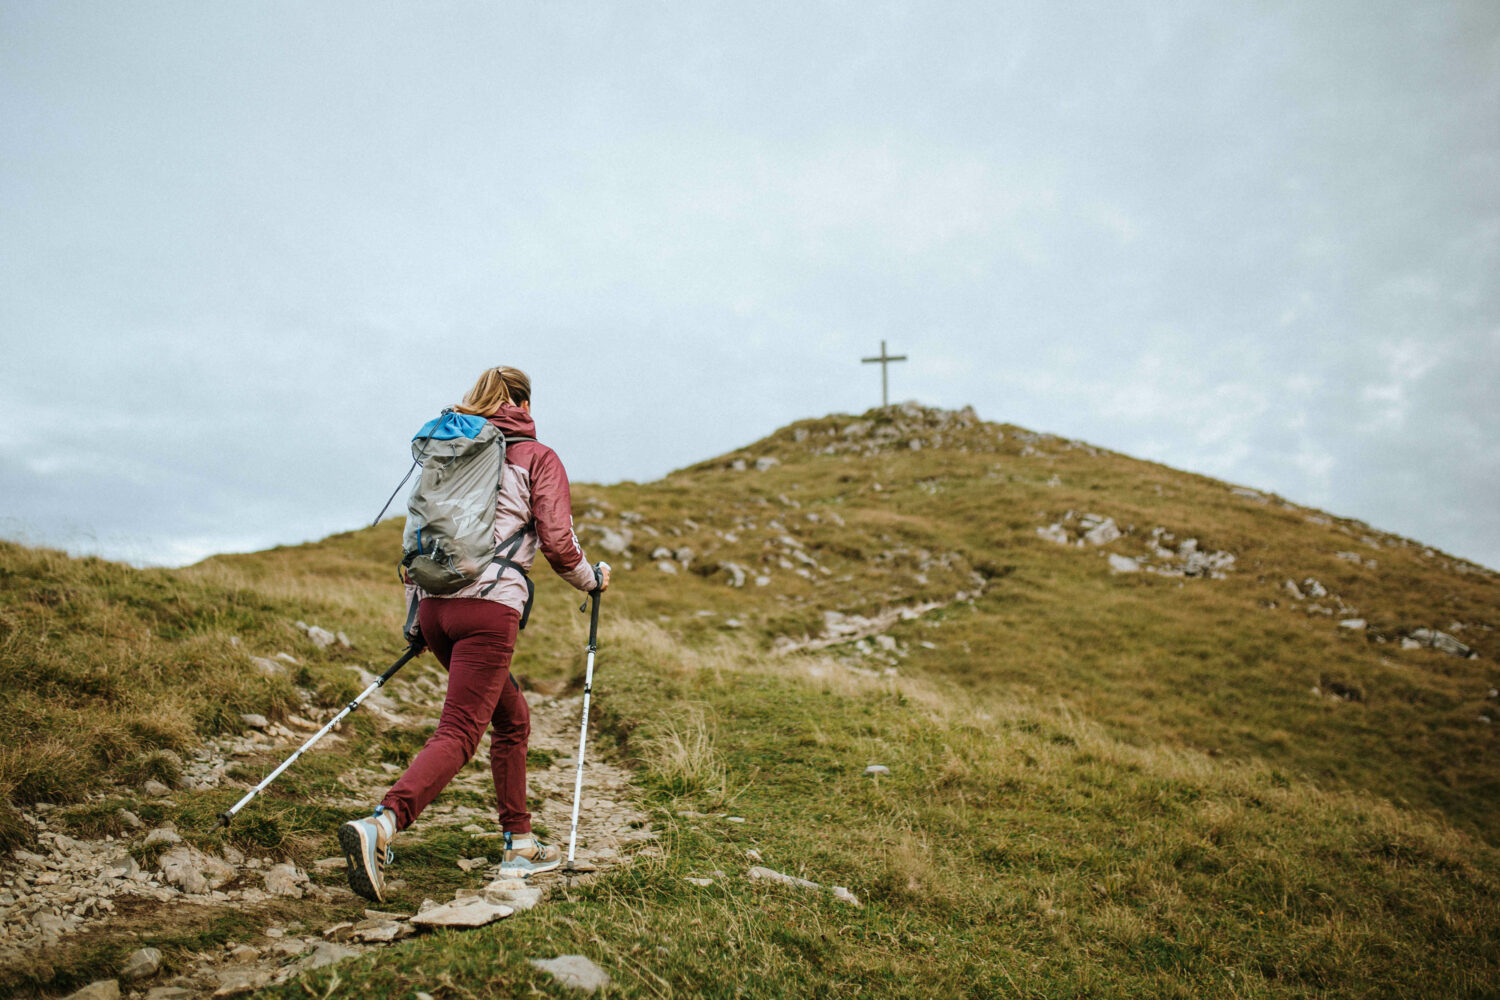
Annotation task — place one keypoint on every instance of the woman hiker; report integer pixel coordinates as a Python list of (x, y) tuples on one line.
[(472, 632)]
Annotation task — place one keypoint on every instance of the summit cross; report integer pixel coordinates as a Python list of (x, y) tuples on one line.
[(885, 363)]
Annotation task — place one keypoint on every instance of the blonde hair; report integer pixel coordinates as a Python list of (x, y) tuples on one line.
[(496, 387)]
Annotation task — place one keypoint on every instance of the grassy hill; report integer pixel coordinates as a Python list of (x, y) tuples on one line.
[(1149, 734)]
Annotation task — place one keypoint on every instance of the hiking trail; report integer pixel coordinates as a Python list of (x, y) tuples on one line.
[(70, 893)]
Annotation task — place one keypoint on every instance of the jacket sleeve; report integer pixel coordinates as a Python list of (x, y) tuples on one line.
[(552, 507)]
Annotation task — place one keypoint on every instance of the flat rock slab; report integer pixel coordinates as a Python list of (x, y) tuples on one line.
[(757, 873), (143, 963), (103, 989), (575, 971), (472, 912)]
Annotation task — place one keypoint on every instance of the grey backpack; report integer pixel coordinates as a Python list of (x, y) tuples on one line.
[(450, 515)]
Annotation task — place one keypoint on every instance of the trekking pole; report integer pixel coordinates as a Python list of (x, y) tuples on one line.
[(412, 651), (583, 735)]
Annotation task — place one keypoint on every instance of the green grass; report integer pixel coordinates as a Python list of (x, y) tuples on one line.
[(1013, 851), (1102, 785)]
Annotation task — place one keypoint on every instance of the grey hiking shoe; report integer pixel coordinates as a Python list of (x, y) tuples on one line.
[(525, 855), (366, 843)]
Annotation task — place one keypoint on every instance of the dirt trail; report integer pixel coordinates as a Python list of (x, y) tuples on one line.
[(72, 893)]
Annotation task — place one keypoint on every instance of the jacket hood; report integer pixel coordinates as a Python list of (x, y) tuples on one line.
[(514, 420)]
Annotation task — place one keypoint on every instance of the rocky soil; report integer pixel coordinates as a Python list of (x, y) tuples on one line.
[(71, 891)]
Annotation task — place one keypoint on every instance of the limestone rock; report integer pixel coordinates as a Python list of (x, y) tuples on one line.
[(1441, 641), (766, 462), (253, 720), (193, 871), (285, 880), (1353, 624), (614, 542), (381, 931), (269, 668), (700, 882), (759, 874), (143, 963), (575, 971), (1123, 564), (474, 912), (736, 574), (843, 895), (155, 789), (512, 892), (877, 769), (1103, 533), (1054, 533), (101, 989), (239, 982), (328, 952), (162, 835)]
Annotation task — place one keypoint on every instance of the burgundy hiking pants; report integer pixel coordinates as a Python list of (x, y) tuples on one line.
[(474, 639)]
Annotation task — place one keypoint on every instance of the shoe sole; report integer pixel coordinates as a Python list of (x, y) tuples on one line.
[(352, 840)]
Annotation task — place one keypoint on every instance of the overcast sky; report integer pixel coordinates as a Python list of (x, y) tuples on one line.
[(246, 249)]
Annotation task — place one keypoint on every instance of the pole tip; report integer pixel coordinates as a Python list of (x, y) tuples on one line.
[(224, 818)]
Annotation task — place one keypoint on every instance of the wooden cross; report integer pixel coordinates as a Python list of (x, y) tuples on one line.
[(884, 361)]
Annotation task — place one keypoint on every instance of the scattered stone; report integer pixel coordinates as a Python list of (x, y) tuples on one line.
[(512, 892), (143, 963), (238, 982), (666, 566), (766, 462), (1103, 533), (243, 954), (285, 880), (701, 882), (469, 864), (381, 931), (344, 640), (475, 912), (253, 720), (162, 835), (129, 818), (193, 871), (168, 993), (581, 866), (759, 874), (843, 895), (269, 668), (328, 952), (1055, 533), (330, 864), (753, 855), (122, 867), (155, 789), (1441, 641), (734, 819), (877, 769), (1123, 564), (1353, 624), (321, 637), (736, 574), (614, 542), (574, 970), (101, 989), (1312, 588)]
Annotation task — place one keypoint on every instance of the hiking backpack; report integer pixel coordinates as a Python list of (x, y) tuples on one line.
[(450, 514)]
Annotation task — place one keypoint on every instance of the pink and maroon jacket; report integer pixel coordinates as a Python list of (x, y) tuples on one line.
[(534, 486)]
